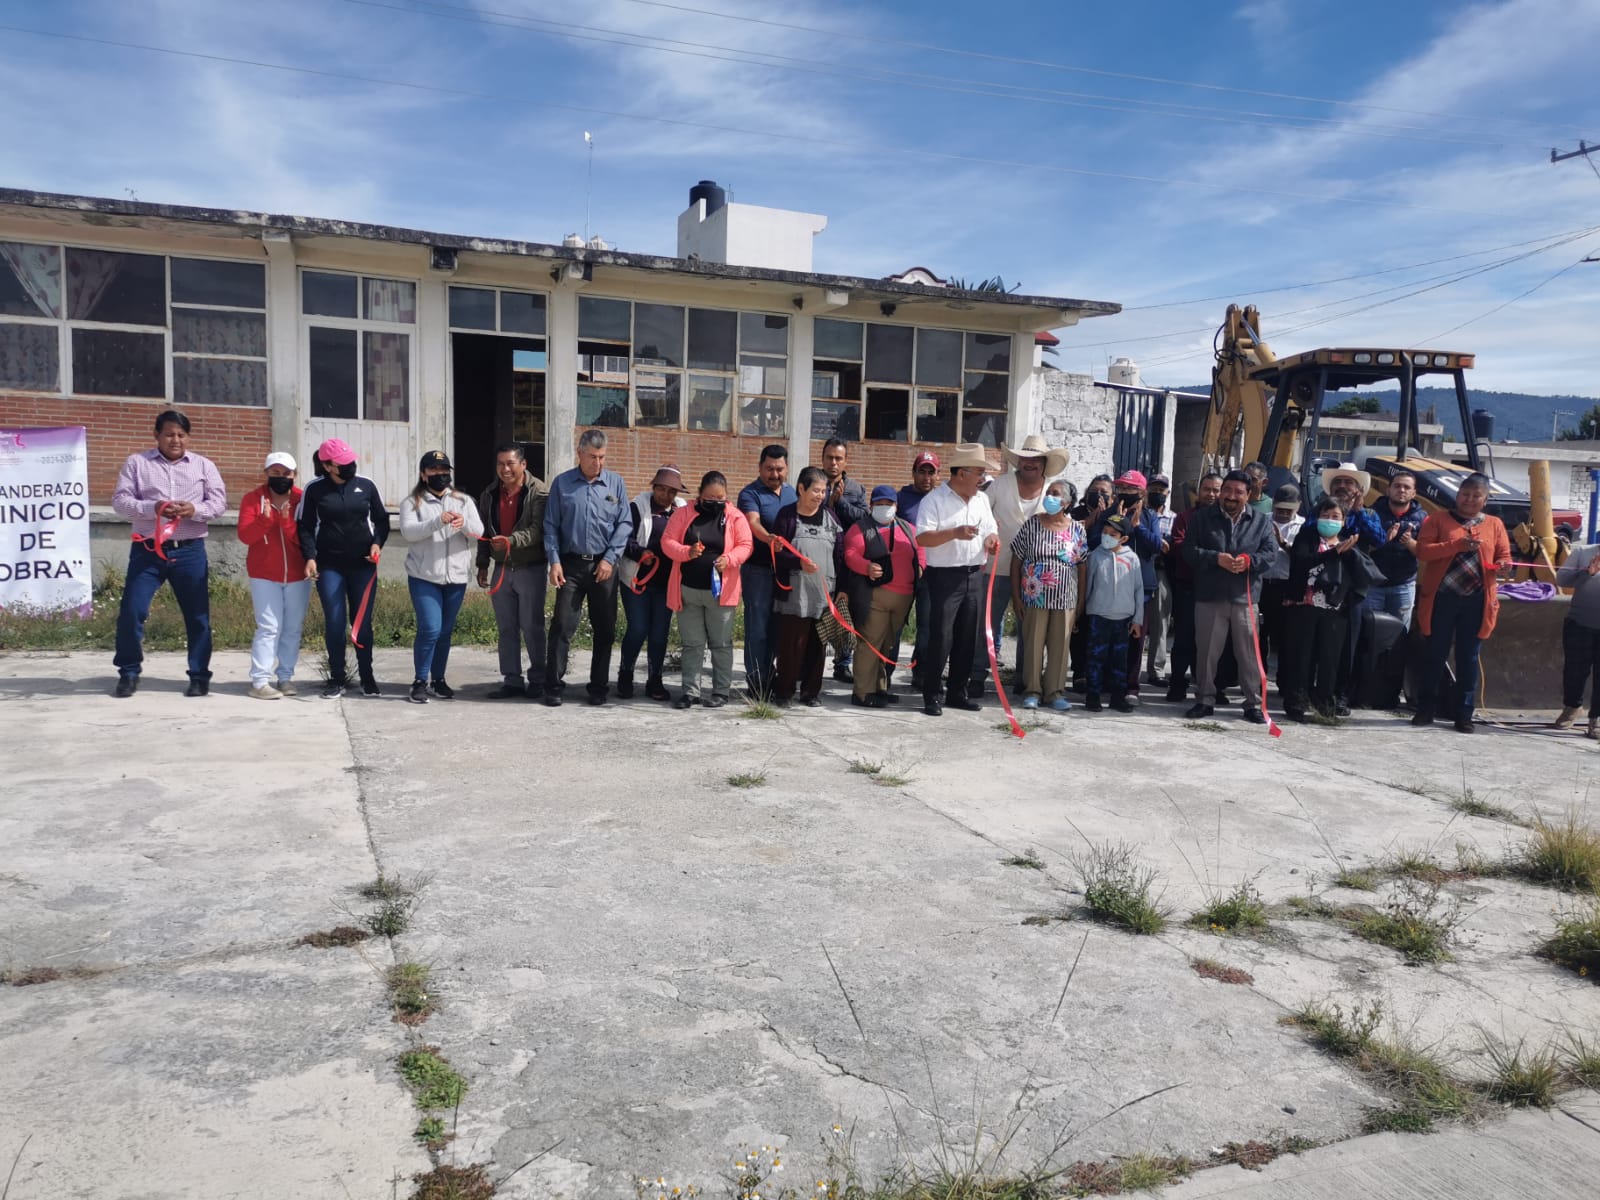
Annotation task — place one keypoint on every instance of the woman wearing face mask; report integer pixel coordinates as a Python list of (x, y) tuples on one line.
[(343, 525), (1318, 596), (884, 564), (804, 585), (1047, 563), (707, 542), (279, 589), (441, 527)]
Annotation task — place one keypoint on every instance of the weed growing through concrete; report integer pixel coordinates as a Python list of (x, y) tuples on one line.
[(387, 887), (434, 1083), (748, 779), (758, 707), (1521, 1077), (32, 976), (1582, 1060), (1204, 726), (339, 935), (1242, 908), (1413, 922), (1576, 942), (432, 1134), (1472, 805), (1042, 919), (408, 992), (1118, 889), (448, 1182), (1357, 879), (1210, 968), (882, 773), (1416, 789), (1564, 853), (1135, 1173), (1026, 723), (1028, 859)]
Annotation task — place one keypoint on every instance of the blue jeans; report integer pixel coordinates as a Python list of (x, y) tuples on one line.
[(437, 605), (1397, 600), (1456, 619), (648, 618), (760, 647), (185, 568), (1107, 668), (340, 589)]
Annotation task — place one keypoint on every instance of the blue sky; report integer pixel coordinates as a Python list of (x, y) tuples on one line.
[(1036, 154)]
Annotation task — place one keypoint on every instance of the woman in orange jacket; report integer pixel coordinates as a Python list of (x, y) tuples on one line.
[(706, 541), (1459, 553), (279, 589)]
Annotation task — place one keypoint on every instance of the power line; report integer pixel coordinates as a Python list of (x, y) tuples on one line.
[(1521, 296), (764, 134)]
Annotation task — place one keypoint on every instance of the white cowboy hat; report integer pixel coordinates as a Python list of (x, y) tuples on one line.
[(966, 454), (1033, 446), (1346, 470)]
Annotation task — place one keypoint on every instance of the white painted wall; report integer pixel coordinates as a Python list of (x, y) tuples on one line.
[(747, 235)]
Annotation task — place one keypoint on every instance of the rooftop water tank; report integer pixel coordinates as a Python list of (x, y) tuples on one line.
[(1482, 425), (707, 190), (1124, 371), (573, 241)]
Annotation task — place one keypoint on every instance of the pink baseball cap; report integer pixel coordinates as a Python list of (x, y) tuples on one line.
[(926, 459), (336, 451), (1132, 479)]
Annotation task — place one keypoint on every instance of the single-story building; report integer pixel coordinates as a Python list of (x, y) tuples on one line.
[(275, 332)]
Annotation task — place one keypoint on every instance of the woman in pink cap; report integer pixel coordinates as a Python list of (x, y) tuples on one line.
[(343, 526)]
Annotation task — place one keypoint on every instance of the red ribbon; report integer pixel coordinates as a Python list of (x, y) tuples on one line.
[(988, 643), (505, 563), (1255, 637), (162, 532), (366, 600), (640, 580), (828, 596)]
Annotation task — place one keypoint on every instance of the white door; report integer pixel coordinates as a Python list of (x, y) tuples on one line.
[(384, 452)]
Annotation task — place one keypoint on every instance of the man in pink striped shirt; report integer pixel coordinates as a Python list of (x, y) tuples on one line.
[(170, 494)]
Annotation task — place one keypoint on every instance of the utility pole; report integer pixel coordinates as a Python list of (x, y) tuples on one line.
[(1583, 151), (1555, 421)]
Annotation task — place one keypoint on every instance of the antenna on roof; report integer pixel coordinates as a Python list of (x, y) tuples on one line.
[(588, 190)]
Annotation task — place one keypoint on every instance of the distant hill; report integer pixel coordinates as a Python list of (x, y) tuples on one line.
[(1518, 416)]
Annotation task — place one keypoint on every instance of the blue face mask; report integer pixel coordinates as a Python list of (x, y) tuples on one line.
[(1052, 504), (1328, 528), (1110, 541)]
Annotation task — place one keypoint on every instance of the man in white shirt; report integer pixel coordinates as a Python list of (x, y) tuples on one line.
[(956, 528)]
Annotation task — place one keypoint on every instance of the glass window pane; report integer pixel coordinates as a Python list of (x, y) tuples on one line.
[(30, 357), (830, 419), (711, 403), (30, 280), (602, 406), (939, 358), (988, 352), (889, 353), (391, 300), (205, 281), (387, 376), (761, 417), (608, 319), (527, 360), (987, 391), (985, 427), (110, 362), (656, 397), (203, 331), (838, 339), (936, 416), (472, 308), (760, 333), (521, 312), (333, 372), (887, 414), (219, 381), (118, 289), (835, 380), (599, 362), (325, 295), (766, 376), (658, 334), (712, 335)]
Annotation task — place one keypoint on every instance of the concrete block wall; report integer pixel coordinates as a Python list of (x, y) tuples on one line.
[(1077, 413)]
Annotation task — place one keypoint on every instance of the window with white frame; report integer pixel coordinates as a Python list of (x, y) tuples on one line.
[(85, 322), (898, 383), (358, 345), (667, 366)]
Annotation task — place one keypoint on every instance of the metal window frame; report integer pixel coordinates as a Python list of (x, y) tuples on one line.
[(359, 325)]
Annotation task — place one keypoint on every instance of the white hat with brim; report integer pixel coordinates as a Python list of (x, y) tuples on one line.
[(967, 454), (279, 458), (1344, 470), (1033, 446)]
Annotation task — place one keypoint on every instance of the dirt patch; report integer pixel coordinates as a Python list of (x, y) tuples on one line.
[(1209, 969), (28, 976), (1252, 1156), (446, 1182), (339, 935)]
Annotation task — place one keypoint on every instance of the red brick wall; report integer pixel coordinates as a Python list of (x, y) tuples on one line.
[(236, 439)]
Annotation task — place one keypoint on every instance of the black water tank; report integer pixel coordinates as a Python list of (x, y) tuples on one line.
[(1482, 425), (708, 191)]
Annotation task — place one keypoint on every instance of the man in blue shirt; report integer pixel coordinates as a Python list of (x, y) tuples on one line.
[(586, 527), (1400, 517), (760, 501)]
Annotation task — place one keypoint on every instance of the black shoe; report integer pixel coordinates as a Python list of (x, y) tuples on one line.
[(127, 685), (1464, 725), (1340, 708), (535, 691), (888, 697), (686, 701), (1091, 702), (1222, 700), (624, 687), (507, 691), (198, 687), (714, 701), (1120, 704), (964, 703), (333, 689), (843, 673), (369, 685), (1155, 679), (975, 690), (811, 701), (1177, 695), (932, 706), (1423, 716), (596, 699), (419, 691), (875, 700), (656, 690), (552, 699), (442, 690), (1198, 710), (1298, 715), (1254, 716)]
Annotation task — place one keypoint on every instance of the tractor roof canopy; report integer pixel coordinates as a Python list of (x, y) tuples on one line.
[(1358, 366)]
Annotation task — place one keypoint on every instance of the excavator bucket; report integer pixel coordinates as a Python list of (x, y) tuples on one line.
[(1521, 661)]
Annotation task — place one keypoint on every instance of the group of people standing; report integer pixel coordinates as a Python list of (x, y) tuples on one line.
[(1096, 587)]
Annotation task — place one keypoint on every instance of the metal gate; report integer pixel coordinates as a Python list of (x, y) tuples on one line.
[(1137, 445)]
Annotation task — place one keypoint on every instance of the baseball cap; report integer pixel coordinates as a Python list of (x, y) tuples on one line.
[(434, 458), (884, 492), (1285, 496), (279, 458), (1160, 481), (1131, 479), (926, 459), (336, 451), (1119, 524)]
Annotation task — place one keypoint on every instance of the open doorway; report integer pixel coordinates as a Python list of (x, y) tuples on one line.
[(499, 396)]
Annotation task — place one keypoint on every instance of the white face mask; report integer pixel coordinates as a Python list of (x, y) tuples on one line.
[(883, 513), (1110, 541)]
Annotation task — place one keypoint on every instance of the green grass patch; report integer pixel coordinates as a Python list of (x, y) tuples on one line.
[(1415, 922), (748, 779), (881, 773), (1521, 1077), (1029, 860), (1359, 879), (407, 983), (1134, 1173), (432, 1134), (434, 1083), (1581, 1060), (1204, 726), (1564, 854), (450, 1182), (1242, 908), (759, 708), (1118, 890), (1576, 941)]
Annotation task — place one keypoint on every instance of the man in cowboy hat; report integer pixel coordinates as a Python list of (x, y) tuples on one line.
[(1014, 496), (956, 529)]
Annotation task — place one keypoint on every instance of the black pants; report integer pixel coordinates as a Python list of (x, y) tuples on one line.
[(955, 604), (1274, 623), (1580, 647), (1309, 659), (582, 587), (1183, 644)]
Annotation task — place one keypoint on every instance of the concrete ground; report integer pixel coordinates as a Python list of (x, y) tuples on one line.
[(642, 969)]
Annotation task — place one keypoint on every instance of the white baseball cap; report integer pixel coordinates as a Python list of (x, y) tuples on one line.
[(279, 458)]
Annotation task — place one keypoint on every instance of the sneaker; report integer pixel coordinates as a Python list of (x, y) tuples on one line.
[(656, 690), (1120, 704), (1254, 716), (286, 687), (932, 706), (419, 691), (713, 701), (1061, 704), (1030, 702), (333, 689), (127, 685), (624, 687), (442, 690), (1197, 711), (369, 685), (265, 691), (1564, 721), (197, 687), (1594, 728)]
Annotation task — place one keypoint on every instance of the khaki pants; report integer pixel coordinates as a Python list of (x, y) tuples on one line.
[(882, 629), (1213, 621), (1045, 633), (704, 624)]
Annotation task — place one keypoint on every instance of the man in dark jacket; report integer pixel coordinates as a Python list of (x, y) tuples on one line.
[(1400, 516), (512, 511), (847, 501), (1228, 548)]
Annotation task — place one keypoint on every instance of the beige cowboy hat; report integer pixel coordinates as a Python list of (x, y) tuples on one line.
[(1342, 471), (1033, 446), (966, 454)]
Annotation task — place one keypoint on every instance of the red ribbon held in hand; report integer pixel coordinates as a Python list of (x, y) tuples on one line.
[(366, 601), (827, 595), (988, 643), (162, 534), (1255, 637)]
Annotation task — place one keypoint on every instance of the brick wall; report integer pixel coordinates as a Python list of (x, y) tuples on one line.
[(236, 439)]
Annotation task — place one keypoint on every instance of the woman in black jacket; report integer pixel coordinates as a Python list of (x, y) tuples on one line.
[(343, 526), (1322, 588)]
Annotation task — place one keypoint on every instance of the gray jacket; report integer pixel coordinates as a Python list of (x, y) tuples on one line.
[(1211, 533)]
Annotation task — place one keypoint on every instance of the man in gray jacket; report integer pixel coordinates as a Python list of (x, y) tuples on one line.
[(513, 512), (1229, 547)]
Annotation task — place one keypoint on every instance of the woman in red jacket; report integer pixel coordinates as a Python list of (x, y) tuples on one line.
[(279, 588), (706, 541)]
